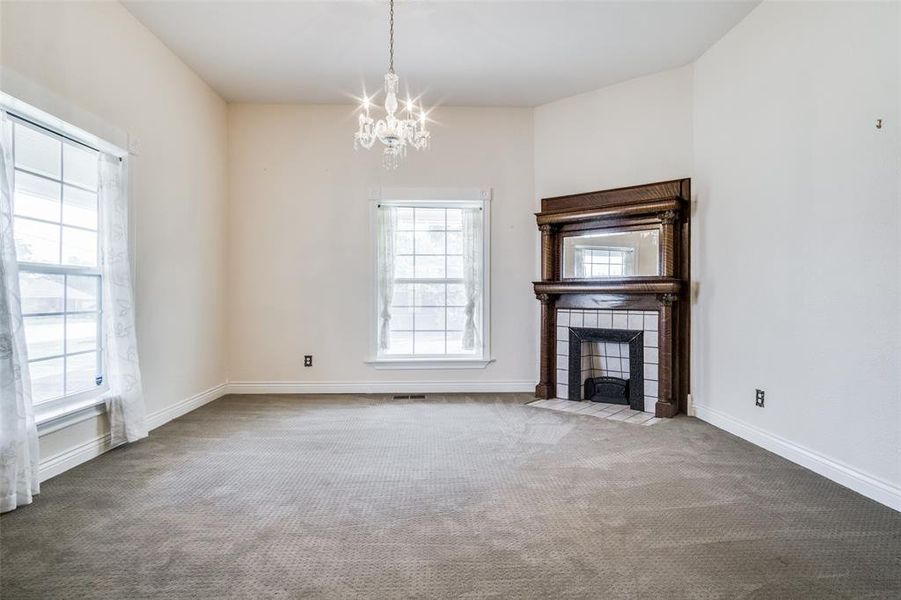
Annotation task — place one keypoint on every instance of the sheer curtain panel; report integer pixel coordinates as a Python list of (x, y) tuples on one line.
[(18, 433), (387, 229), (126, 400), (472, 274)]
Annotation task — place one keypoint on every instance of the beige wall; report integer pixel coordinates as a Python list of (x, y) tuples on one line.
[(96, 66), (631, 133), (300, 266), (797, 236)]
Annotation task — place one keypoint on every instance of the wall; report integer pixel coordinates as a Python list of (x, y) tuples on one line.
[(300, 267), (97, 66), (797, 237), (631, 133)]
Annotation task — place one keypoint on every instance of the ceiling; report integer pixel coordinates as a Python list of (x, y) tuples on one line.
[(476, 53)]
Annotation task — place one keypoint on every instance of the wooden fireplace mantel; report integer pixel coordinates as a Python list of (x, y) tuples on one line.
[(664, 206)]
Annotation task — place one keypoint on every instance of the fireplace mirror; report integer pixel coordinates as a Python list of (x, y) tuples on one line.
[(603, 254)]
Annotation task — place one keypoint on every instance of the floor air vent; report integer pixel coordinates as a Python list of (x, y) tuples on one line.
[(410, 397)]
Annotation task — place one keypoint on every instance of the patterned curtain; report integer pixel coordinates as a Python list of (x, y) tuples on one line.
[(126, 399), (18, 433), (472, 274)]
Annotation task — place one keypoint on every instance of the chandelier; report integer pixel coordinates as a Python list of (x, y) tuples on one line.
[(395, 131)]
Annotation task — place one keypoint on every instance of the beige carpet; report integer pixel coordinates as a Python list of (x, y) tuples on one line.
[(451, 497)]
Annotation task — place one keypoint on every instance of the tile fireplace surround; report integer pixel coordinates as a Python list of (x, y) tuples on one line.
[(635, 320)]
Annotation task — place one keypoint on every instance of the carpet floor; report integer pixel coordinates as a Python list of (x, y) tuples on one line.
[(448, 497)]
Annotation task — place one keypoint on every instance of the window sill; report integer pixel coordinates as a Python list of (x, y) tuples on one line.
[(429, 363), (54, 418)]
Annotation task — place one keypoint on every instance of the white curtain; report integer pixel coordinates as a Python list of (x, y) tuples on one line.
[(472, 274), (126, 400), (18, 433), (387, 226)]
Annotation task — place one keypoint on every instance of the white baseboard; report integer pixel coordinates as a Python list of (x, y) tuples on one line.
[(59, 463), (161, 417), (876, 489), (378, 387)]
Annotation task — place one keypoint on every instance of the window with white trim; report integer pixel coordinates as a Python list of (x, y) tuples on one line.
[(431, 280), (57, 227)]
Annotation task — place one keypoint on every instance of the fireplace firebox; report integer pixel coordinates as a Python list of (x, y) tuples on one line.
[(605, 388)]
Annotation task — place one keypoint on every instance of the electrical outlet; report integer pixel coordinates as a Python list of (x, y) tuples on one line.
[(759, 399), (308, 360)]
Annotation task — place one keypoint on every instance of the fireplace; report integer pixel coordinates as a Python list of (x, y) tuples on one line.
[(613, 375), (618, 260)]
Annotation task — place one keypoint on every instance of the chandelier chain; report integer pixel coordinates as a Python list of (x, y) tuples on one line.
[(391, 39)]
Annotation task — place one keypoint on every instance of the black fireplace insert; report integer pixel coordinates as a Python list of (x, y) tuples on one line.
[(613, 390)]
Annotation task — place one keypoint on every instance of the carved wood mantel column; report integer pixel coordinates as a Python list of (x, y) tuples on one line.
[(667, 246), (547, 385), (665, 406), (548, 253)]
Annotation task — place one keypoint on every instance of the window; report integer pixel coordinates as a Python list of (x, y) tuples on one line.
[(431, 288), (596, 261), (55, 206)]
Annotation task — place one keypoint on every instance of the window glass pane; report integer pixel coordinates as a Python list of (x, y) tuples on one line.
[(428, 342), (81, 332), (80, 166), (400, 342), (456, 317), (81, 372), (455, 343), (429, 319), (41, 292), (36, 197), (430, 242), (82, 292), (456, 294), (430, 294), (429, 267), (455, 267), (403, 294), (403, 242), (46, 379), (36, 242), (454, 219), (43, 336), (402, 319), (403, 267), (404, 219), (79, 247), (37, 152), (429, 219), (79, 207), (455, 243)]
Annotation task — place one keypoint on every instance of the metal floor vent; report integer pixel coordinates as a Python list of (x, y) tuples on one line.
[(410, 397)]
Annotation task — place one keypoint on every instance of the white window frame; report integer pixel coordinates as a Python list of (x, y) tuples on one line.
[(58, 413), (421, 197)]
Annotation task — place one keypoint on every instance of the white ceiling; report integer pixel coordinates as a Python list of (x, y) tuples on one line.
[(475, 53)]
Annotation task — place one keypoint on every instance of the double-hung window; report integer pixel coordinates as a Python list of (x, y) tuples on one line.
[(431, 300), (57, 233)]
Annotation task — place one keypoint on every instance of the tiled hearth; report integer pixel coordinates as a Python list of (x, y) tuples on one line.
[(634, 320), (600, 410)]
